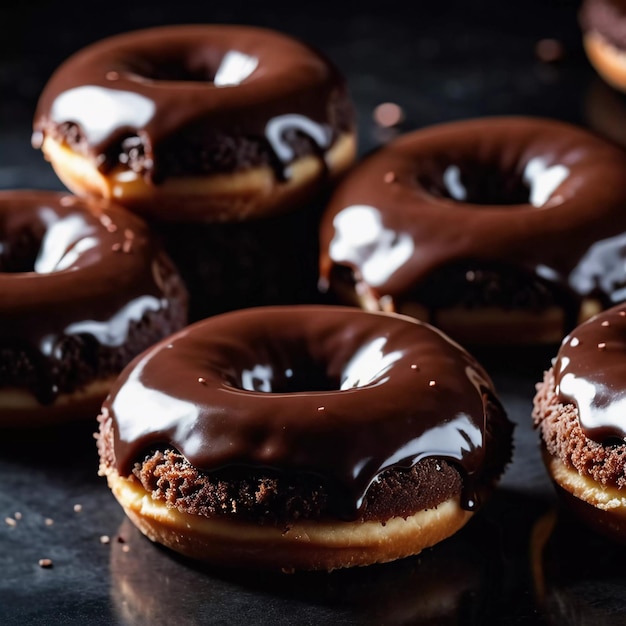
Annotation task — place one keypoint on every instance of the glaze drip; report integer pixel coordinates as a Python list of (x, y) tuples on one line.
[(590, 371)]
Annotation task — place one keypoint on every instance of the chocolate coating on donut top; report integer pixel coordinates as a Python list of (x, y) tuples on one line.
[(590, 372), (184, 100), (540, 196), (72, 269), (606, 18), (334, 391)]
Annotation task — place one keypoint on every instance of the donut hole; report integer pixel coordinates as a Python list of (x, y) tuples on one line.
[(297, 378), (488, 184), (45, 242), (19, 250), (202, 65), (298, 370)]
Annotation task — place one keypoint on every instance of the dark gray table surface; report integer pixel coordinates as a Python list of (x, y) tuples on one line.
[(439, 61)]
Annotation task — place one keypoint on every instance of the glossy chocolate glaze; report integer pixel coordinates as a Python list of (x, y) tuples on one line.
[(152, 91), (606, 18), (538, 195), (68, 267), (590, 371), (335, 391)]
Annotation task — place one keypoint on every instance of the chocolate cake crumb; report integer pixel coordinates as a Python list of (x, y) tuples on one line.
[(45, 563), (564, 438)]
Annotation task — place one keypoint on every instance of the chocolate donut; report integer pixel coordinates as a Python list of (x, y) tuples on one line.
[(603, 23), (83, 289), (197, 123), (578, 410), (495, 230), (303, 438)]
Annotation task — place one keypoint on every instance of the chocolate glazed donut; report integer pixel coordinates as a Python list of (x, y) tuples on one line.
[(303, 437), (83, 289), (496, 230), (213, 132), (201, 123), (579, 411)]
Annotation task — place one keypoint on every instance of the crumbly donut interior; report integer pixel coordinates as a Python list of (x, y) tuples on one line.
[(564, 439)]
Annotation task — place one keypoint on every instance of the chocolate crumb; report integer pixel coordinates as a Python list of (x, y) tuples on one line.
[(48, 521), (105, 539), (46, 563), (388, 114), (120, 539), (10, 521), (549, 50), (78, 508)]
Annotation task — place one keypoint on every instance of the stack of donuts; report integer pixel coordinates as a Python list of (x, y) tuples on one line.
[(277, 331)]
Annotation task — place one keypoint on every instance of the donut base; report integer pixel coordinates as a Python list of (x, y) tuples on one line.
[(600, 507), (304, 545), (608, 61), (215, 197), (20, 409)]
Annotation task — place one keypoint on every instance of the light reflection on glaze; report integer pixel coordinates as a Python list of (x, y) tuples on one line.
[(234, 68), (101, 111), (114, 331), (370, 365), (64, 242), (452, 440), (278, 126), (590, 372), (543, 179), (453, 183), (603, 266), (349, 435), (361, 239), (166, 412), (259, 378)]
